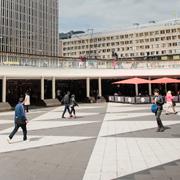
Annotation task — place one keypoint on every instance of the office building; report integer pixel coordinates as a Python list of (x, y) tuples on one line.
[(152, 39), (29, 26)]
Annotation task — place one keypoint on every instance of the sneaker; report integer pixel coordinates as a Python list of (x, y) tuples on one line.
[(166, 127), (9, 140), (162, 129), (175, 112), (26, 140)]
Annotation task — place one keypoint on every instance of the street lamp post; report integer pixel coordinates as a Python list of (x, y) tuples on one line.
[(91, 30)]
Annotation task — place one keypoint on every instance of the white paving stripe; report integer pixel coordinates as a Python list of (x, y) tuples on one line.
[(115, 157), (34, 111), (6, 121), (119, 127), (40, 141)]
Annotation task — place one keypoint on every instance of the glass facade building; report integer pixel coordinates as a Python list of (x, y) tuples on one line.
[(29, 26)]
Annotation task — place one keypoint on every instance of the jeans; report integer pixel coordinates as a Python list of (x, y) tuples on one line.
[(158, 119), (23, 127), (66, 107), (73, 110), (27, 108)]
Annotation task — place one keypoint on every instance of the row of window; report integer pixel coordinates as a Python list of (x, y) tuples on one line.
[(127, 36), (121, 44), (104, 55), (131, 48)]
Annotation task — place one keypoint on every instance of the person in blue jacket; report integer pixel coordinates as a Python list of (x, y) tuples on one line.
[(20, 120)]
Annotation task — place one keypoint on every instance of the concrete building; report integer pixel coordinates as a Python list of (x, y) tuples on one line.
[(152, 39), (29, 26)]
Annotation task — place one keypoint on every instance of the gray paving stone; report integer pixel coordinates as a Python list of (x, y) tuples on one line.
[(50, 162), (143, 177), (159, 174), (172, 170), (91, 129)]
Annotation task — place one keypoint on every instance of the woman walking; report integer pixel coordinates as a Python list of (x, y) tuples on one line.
[(170, 103), (27, 101), (73, 103)]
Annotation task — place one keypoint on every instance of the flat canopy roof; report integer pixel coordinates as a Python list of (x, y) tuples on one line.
[(36, 73)]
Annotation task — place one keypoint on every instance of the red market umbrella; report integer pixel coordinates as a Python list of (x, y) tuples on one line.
[(165, 80), (133, 81)]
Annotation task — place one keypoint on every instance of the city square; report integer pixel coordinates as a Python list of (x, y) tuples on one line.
[(89, 90), (105, 141)]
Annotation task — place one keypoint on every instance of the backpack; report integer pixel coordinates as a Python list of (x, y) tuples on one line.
[(154, 108)]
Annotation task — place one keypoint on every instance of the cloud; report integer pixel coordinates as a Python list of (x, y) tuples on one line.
[(109, 14)]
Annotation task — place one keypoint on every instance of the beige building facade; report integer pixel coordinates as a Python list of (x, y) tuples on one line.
[(153, 39)]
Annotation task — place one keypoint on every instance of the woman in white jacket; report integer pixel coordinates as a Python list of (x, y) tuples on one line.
[(27, 101)]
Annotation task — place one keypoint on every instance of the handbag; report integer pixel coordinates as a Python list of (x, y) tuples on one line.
[(154, 108)]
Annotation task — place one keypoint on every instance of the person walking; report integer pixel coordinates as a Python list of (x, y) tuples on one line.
[(58, 93), (27, 101), (159, 101), (170, 103), (20, 121), (73, 103), (66, 102)]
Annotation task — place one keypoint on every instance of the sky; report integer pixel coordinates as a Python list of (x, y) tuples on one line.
[(105, 15)]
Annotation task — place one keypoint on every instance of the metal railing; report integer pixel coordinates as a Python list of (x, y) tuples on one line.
[(14, 59)]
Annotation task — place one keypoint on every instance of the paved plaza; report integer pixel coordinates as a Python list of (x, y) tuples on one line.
[(105, 141)]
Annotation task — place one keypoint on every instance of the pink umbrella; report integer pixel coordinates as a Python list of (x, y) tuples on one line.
[(165, 80), (133, 81)]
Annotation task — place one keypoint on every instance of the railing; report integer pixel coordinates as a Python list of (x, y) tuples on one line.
[(8, 59), (136, 99)]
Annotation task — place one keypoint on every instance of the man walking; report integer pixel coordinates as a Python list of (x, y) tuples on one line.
[(159, 101), (66, 102), (20, 121)]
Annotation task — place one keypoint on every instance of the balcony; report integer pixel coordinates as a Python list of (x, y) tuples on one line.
[(39, 61)]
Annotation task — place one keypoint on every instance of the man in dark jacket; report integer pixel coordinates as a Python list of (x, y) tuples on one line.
[(158, 99), (66, 102), (20, 121)]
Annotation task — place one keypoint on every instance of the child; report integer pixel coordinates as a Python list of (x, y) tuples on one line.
[(73, 103)]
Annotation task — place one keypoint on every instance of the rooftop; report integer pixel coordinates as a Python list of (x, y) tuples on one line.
[(135, 26)]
